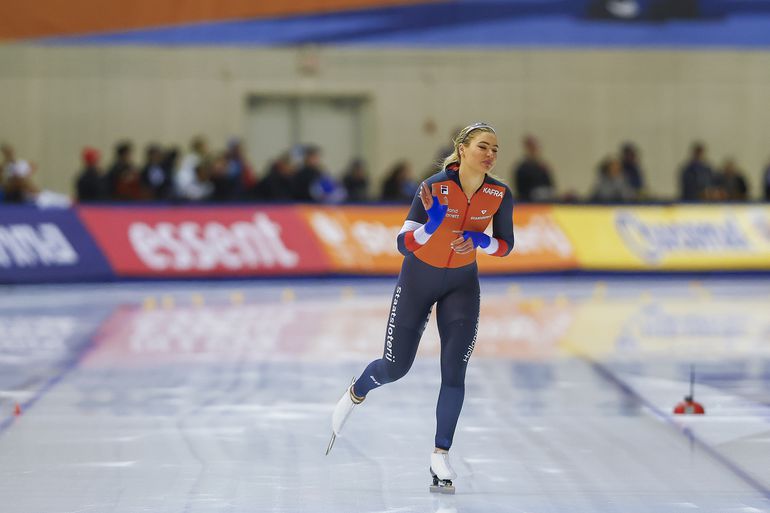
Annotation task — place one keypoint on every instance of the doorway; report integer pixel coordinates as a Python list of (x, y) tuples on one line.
[(275, 124)]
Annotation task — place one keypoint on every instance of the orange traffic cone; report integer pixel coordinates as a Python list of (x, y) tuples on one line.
[(17, 409)]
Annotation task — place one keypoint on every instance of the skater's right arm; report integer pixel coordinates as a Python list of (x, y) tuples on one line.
[(424, 218)]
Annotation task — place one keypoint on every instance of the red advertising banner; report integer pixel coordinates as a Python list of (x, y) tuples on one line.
[(205, 241)]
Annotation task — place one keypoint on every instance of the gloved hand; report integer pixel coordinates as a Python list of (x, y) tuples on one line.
[(480, 239), (436, 214)]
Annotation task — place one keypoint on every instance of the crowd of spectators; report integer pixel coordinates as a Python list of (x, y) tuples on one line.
[(200, 175), (299, 175), (620, 178), (296, 175)]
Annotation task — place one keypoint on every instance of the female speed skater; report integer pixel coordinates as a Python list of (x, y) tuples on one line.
[(445, 225)]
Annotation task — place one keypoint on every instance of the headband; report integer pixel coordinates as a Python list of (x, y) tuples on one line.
[(475, 126)]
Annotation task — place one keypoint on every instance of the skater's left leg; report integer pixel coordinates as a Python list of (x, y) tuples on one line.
[(457, 315)]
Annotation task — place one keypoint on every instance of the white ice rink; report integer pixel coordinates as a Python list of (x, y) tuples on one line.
[(216, 397)]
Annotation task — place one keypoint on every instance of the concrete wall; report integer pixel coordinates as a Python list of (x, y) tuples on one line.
[(581, 103)]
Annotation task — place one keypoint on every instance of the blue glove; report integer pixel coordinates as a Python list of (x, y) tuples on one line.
[(436, 214), (480, 239)]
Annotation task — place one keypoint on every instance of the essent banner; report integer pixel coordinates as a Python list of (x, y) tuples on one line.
[(205, 241)]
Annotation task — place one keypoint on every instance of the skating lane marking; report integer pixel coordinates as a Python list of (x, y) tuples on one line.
[(63, 369), (684, 430)]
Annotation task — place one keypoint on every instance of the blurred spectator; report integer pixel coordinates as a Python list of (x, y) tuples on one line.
[(278, 183), (612, 186), (312, 183), (632, 171), (223, 187), (90, 184), (696, 176), (445, 150), (16, 177), (123, 178), (327, 190), (239, 171), (399, 186), (8, 158), (308, 174), (169, 165), (155, 177), (767, 182), (122, 161), (191, 180), (356, 181), (532, 176), (19, 187), (730, 183)]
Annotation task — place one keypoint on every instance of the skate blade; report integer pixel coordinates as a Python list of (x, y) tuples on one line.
[(331, 443), (446, 489)]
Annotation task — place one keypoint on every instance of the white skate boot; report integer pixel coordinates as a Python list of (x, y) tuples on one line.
[(442, 473), (342, 411)]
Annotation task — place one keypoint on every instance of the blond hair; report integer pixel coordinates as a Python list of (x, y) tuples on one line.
[(464, 137)]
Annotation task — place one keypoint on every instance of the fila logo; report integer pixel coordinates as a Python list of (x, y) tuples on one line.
[(493, 192), (444, 189)]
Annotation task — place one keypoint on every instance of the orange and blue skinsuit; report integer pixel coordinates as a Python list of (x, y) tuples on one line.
[(432, 273)]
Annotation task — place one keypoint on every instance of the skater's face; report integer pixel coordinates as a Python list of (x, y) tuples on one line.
[(479, 152)]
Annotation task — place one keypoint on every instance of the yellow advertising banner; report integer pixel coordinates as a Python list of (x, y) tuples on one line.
[(663, 238), (672, 326)]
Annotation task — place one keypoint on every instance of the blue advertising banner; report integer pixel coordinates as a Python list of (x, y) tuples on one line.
[(47, 246)]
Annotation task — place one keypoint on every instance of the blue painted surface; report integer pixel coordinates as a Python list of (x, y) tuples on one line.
[(559, 23)]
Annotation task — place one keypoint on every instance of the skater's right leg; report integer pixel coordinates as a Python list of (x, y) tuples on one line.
[(394, 364), (410, 308), (400, 349), (409, 313)]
